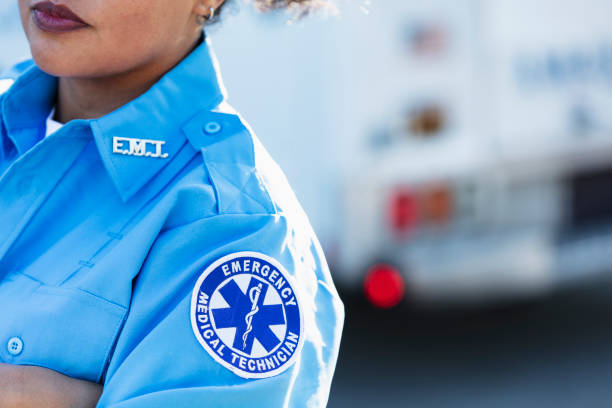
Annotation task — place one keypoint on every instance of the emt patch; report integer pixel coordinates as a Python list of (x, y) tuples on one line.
[(246, 315)]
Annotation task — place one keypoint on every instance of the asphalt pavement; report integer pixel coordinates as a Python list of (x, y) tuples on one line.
[(549, 352)]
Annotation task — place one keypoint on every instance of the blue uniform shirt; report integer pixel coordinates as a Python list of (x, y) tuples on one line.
[(159, 251)]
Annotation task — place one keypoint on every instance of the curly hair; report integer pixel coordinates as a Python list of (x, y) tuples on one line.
[(300, 8)]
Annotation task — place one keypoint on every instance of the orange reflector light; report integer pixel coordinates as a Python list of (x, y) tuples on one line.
[(438, 204), (384, 286)]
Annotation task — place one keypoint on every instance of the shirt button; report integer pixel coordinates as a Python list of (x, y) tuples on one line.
[(14, 346), (212, 127)]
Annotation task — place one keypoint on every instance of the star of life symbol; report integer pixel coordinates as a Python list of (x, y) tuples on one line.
[(246, 315), (139, 147)]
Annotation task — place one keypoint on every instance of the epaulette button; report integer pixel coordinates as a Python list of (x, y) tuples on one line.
[(212, 128)]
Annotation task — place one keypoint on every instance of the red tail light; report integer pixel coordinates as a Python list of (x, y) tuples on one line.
[(384, 286), (403, 210)]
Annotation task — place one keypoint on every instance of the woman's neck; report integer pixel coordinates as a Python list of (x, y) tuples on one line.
[(90, 98), (83, 98)]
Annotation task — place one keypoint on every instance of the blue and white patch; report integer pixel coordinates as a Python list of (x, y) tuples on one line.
[(245, 313)]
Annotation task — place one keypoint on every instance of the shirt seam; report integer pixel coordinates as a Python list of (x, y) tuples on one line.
[(280, 213)]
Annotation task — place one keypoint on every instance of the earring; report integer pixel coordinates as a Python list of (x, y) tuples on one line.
[(202, 19)]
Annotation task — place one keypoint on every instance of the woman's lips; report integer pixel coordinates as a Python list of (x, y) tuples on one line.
[(55, 18)]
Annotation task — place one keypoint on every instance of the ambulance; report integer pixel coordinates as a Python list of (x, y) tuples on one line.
[(446, 151), (483, 171)]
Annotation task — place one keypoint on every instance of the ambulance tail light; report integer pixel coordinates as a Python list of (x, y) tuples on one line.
[(384, 286), (403, 210), (437, 204), (432, 205)]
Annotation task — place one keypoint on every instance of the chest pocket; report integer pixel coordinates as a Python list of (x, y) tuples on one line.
[(65, 329)]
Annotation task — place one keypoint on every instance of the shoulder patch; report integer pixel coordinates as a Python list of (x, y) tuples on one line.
[(246, 314)]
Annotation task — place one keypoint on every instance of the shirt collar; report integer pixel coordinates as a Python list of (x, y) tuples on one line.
[(25, 107), (156, 116)]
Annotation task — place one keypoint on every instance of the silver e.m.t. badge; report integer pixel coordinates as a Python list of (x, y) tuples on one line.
[(139, 147)]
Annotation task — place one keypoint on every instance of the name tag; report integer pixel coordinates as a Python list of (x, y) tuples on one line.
[(139, 147)]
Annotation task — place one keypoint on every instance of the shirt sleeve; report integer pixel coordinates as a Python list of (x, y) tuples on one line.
[(159, 360)]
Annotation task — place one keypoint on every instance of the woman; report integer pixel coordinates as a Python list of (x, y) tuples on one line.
[(151, 253)]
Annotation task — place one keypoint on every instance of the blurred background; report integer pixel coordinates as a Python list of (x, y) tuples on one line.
[(455, 160)]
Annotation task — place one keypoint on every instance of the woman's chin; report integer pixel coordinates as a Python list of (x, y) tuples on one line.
[(53, 65), (62, 64), (58, 55)]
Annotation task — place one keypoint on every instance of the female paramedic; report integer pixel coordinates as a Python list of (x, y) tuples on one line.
[(152, 254)]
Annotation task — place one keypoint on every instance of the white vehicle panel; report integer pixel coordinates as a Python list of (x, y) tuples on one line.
[(550, 71)]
